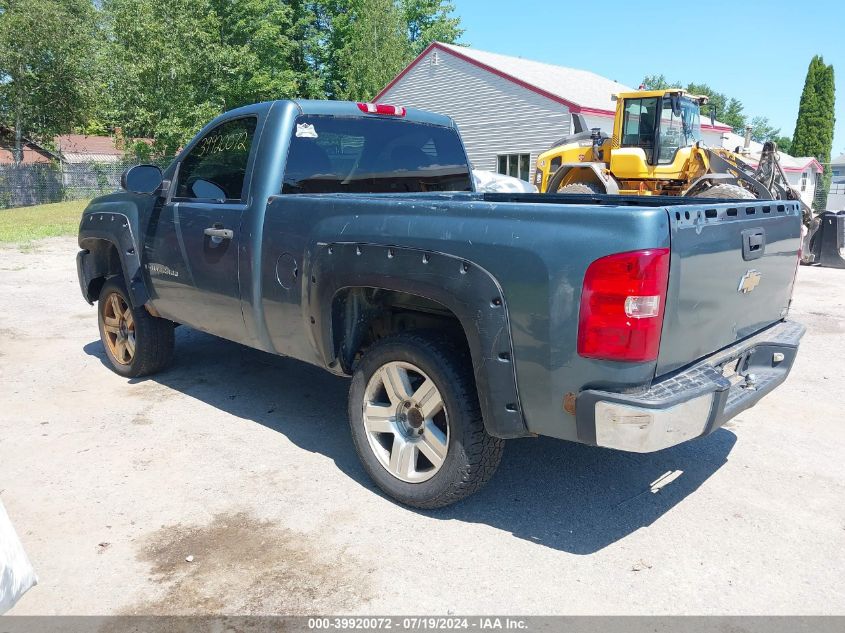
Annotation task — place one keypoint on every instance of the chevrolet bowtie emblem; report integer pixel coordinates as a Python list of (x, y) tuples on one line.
[(749, 281)]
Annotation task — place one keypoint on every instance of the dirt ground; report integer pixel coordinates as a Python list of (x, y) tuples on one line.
[(244, 461)]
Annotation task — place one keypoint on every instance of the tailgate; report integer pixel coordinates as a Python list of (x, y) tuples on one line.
[(731, 274)]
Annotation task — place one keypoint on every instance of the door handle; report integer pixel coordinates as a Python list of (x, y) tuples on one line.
[(221, 234)]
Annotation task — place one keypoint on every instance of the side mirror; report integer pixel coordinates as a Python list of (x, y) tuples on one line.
[(713, 116), (675, 101), (141, 179)]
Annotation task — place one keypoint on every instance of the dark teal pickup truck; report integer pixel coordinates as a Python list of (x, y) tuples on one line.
[(349, 236)]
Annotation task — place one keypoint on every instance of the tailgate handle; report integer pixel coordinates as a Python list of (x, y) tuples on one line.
[(753, 244)]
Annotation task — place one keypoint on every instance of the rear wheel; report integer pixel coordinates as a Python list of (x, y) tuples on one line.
[(732, 192), (579, 187), (416, 422), (136, 342)]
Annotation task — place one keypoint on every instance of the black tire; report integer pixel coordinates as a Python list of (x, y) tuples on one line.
[(152, 336), (472, 454), (580, 187), (729, 192)]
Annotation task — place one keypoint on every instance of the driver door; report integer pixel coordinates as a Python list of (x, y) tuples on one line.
[(192, 245)]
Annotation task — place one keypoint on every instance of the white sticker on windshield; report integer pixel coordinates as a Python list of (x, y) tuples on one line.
[(305, 130)]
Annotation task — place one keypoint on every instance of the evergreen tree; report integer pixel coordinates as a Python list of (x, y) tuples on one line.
[(804, 139), (814, 126)]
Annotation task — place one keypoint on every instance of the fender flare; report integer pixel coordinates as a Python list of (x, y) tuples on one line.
[(116, 229), (469, 291), (607, 182)]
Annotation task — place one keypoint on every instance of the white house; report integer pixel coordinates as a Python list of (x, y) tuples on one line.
[(509, 109)]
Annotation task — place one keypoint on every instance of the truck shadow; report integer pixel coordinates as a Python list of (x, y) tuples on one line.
[(559, 494)]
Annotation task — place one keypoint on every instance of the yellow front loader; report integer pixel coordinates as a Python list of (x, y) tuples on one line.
[(656, 149)]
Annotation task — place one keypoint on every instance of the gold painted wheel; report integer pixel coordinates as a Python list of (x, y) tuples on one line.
[(119, 328)]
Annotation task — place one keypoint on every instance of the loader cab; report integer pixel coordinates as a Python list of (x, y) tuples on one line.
[(651, 127)]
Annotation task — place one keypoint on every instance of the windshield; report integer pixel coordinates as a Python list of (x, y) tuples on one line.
[(373, 155), (678, 131)]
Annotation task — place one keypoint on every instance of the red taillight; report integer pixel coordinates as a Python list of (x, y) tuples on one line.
[(622, 304), (381, 108)]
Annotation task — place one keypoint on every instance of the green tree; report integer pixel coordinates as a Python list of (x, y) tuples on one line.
[(430, 21), (178, 63), (656, 82), (164, 81), (171, 65), (784, 144), (311, 20), (815, 123), (371, 47), (256, 49), (728, 110), (46, 47), (762, 130)]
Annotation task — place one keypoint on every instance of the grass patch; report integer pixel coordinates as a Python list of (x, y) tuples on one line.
[(26, 224)]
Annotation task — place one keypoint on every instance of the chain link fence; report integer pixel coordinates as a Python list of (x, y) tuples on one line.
[(28, 184)]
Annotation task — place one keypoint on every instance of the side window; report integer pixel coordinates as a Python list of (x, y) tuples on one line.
[(216, 167)]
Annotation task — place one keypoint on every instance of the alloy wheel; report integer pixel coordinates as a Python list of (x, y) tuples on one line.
[(119, 327), (406, 422)]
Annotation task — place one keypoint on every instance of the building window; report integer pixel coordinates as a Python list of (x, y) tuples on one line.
[(836, 172), (516, 165), (804, 177)]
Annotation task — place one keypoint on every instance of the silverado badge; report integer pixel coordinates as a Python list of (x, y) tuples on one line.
[(749, 281)]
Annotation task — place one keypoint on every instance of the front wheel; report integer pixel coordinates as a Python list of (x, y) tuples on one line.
[(136, 342), (580, 188), (727, 191), (416, 422)]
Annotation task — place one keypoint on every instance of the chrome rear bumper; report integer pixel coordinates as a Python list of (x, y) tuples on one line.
[(693, 402)]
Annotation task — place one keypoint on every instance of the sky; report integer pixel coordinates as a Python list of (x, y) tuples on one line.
[(757, 51)]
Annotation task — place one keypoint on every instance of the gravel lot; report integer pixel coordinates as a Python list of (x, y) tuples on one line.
[(244, 461)]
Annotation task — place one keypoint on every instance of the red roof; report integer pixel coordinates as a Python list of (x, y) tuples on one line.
[(84, 144), (95, 145)]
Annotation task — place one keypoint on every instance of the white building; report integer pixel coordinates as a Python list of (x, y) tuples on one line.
[(837, 168), (509, 109), (836, 196)]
